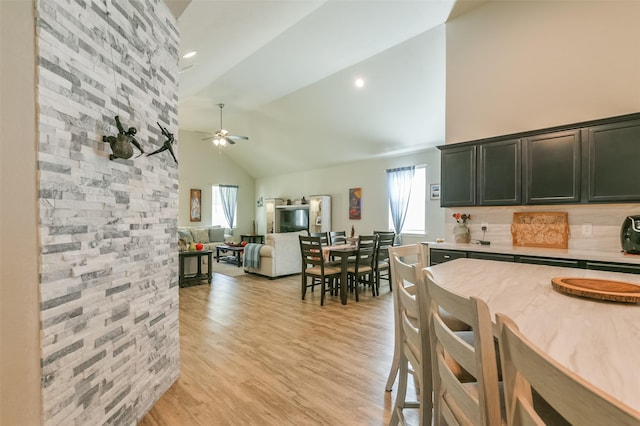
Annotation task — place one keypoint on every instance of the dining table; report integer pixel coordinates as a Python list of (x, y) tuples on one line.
[(343, 251), (598, 340)]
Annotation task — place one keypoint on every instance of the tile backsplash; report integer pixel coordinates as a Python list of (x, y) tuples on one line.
[(605, 221)]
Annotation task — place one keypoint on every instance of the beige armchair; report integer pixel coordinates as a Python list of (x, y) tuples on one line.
[(280, 255)]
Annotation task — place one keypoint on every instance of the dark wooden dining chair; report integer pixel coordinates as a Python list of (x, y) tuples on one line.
[(361, 270), (383, 264), (315, 268), (337, 237), (324, 237)]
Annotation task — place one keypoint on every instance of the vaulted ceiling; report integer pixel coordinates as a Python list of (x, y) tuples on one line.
[(285, 71)]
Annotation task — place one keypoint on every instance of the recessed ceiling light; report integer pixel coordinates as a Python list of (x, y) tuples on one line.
[(359, 82), (189, 54)]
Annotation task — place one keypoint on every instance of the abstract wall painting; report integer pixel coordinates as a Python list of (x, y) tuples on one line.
[(355, 203)]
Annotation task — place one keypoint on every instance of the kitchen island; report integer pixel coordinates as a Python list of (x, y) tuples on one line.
[(600, 341)]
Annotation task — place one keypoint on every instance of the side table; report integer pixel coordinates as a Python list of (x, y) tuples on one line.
[(198, 276)]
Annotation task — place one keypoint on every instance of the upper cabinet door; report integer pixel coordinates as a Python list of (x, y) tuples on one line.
[(458, 176), (614, 162), (499, 173), (552, 168)]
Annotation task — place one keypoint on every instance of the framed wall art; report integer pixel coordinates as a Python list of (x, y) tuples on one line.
[(434, 191), (355, 203), (195, 211)]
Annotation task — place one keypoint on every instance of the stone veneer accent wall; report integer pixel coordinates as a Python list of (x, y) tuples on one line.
[(108, 270)]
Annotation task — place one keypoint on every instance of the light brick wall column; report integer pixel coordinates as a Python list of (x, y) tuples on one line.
[(108, 270)]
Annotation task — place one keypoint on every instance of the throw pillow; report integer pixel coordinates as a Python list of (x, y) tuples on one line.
[(216, 235), (185, 234), (200, 235)]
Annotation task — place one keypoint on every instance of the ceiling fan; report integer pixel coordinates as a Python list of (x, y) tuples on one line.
[(222, 137)]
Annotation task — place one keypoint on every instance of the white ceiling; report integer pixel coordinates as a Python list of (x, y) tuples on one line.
[(285, 72)]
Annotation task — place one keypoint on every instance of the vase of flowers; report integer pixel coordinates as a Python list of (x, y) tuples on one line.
[(461, 231)]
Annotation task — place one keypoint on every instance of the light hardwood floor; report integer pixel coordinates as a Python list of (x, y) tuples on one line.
[(253, 353)]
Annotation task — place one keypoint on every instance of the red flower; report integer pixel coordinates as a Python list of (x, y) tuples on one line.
[(464, 217)]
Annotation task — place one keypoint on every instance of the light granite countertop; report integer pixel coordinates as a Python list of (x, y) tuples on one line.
[(600, 341), (600, 256)]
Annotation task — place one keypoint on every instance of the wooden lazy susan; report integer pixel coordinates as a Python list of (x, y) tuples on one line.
[(615, 291)]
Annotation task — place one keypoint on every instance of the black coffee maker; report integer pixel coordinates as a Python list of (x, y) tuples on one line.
[(630, 235)]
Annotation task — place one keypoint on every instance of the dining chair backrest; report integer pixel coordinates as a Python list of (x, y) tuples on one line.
[(337, 237), (361, 269), (412, 305), (383, 267), (525, 366), (408, 254), (386, 238), (365, 254), (311, 250), (315, 267), (457, 402), (324, 237)]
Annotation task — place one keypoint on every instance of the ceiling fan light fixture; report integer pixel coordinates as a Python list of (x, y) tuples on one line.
[(222, 138)]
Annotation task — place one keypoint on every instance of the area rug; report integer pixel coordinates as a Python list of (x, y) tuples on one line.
[(228, 269)]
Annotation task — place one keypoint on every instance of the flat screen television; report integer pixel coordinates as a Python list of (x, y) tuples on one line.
[(294, 220)]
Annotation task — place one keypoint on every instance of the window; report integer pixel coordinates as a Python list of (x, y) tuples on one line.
[(415, 219), (217, 211)]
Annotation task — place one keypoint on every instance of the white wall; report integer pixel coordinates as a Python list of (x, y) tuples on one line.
[(387, 117), (526, 65), (201, 165), (20, 400), (517, 66), (368, 175)]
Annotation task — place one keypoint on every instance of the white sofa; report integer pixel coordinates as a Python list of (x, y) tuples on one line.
[(210, 237), (280, 255)]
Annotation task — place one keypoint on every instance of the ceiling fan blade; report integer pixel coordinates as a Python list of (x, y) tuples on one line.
[(224, 134), (208, 139)]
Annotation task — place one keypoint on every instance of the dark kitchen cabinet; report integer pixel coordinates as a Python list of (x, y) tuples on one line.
[(589, 162), (613, 158), (458, 177), (552, 168), (569, 263), (437, 256), (499, 173), (491, 256), (614, 267)]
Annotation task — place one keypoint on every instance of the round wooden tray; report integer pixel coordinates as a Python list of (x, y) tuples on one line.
[(615, 291)]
